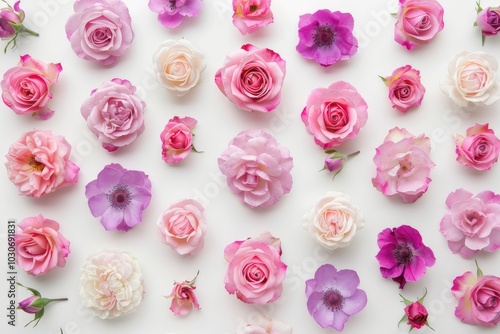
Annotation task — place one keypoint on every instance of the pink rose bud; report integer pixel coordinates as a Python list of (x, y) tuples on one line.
[(488, 19), (35, 304), (177, 139), (11, 24), (335, 162), (31, 305), (417, 314), (183, 297)]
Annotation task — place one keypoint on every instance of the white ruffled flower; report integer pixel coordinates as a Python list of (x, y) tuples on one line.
[(266, 326)]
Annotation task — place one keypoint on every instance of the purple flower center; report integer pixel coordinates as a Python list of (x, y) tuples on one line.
[(119, 197), (403, 254), (405, 165), (333, 299), (34, 164), (324, 36)]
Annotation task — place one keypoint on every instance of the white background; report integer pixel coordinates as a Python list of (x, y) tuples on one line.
[(228, 219)]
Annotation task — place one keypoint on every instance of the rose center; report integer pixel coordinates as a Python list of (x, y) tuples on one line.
[(324, 36), (403, 254), (424, 23), (253, 8), (494, 19), (333, 299), (34, 164), (102, 37), (172, 4), (119, 197)]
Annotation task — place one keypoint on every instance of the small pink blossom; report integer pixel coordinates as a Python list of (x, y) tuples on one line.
[(266, 326), (177, 139), (251, 15), (171, 13), (479, 149), (183, 297), (405, 89)]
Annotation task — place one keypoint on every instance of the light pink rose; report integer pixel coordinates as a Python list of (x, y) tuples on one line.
[(472, 223), (334, 114), (405, 89), (100, 30), (38, 163), (403, 165), (114, 113), (418, 21), (250, 15), (266, 326), (479, 149), (183, 226), (252, 78), (177, 139), (183, 297), (255, 272), (39, 245), (26, 87), (257, 168)]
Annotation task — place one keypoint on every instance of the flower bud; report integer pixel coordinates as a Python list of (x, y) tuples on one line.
[(31, 305)]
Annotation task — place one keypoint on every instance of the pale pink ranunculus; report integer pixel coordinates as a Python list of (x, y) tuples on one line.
[(26, 87), (38, 163), (251, 15), (177, 139), (39, 245), (334, 114), (114, 113), (479, 148), (405, 88), (418, 22), (252, 78), (183, 226), (100, 30), (263, 325), (403, 165), (472, 222), (255, 272), (257, 168)]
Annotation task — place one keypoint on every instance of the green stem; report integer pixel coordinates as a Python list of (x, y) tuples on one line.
[(28, 31), (352, 155)]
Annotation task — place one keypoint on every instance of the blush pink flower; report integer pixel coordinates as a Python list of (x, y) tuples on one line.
[(479, 149), (255, 272), (38, 163), (171, 13), (334, 114), (257, 168), (405, 89), (252, 78), (39, 245), (264, 325), (183, 297), (26, 87), (403, 165), (251, 15), (177, 139)]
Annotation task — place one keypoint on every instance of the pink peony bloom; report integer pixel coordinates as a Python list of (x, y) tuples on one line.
[(252, 78), (251, 15), (183, 297), (257, 168), (405, 89), (472, 223), (38, 163), (479, 149), (418, 22), (26, 87), (177, 139), (171, 13), (403, 165), (255, 272), (39, 245), (334, 114), (100, 30)]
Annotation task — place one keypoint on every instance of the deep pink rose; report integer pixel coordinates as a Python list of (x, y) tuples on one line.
[(26, 87), (417, 314), (177, 139), (405, 89), (252, 78), (418, 22), (488, 20), (257, 168), (479, 148), (250, 15), (100, 30), (255, 272), (38, 163), (334, 114), (39, 245)]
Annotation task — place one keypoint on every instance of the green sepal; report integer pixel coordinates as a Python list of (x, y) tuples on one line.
[(421, 299), (330, 151), (403, 319), (195, 150), (478, 8), (406, 301), (483, 39), (383, 79), (427, 324), (35, 292), (37, 318), (479, 272)]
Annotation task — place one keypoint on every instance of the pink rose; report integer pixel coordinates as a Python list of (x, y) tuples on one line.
[(334, 114), (479, 149), (183, 297), (26, 87), (405, 89), (8, 17), (488, 19), (417, 314), (252, 78), (38, 163), (182, 226), (100, 30), (266, 326), (257, 168), (418, 22), (255, 272), (403, 165), (177, 139), (250, 15), (39, 245)]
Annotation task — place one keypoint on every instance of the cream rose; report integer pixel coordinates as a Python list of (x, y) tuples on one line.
[(334, 220)]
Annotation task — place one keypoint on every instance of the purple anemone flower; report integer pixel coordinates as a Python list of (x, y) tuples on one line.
[(119, 197), (327, 37), (403, 256), (171, 13), (333, 296)]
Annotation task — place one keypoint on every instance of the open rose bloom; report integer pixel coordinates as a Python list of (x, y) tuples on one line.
[(405, 88), (479, 149), (251, 15)]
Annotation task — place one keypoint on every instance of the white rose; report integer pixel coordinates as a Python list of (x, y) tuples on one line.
[(265, 326), (334, 220), (111, 284), (471, 79), (178, 65)]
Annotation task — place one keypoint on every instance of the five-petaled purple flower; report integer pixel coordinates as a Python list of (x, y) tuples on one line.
[(119, 197), (171, 13), (333, 296), (403, 256)]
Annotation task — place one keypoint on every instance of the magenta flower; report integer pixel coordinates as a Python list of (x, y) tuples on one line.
[(327, 37), (403, 256), (333, 296), (183, 297), (171, 13), (416, 313), (119, 196), (488, 20), (11, 24), (479, 149)]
